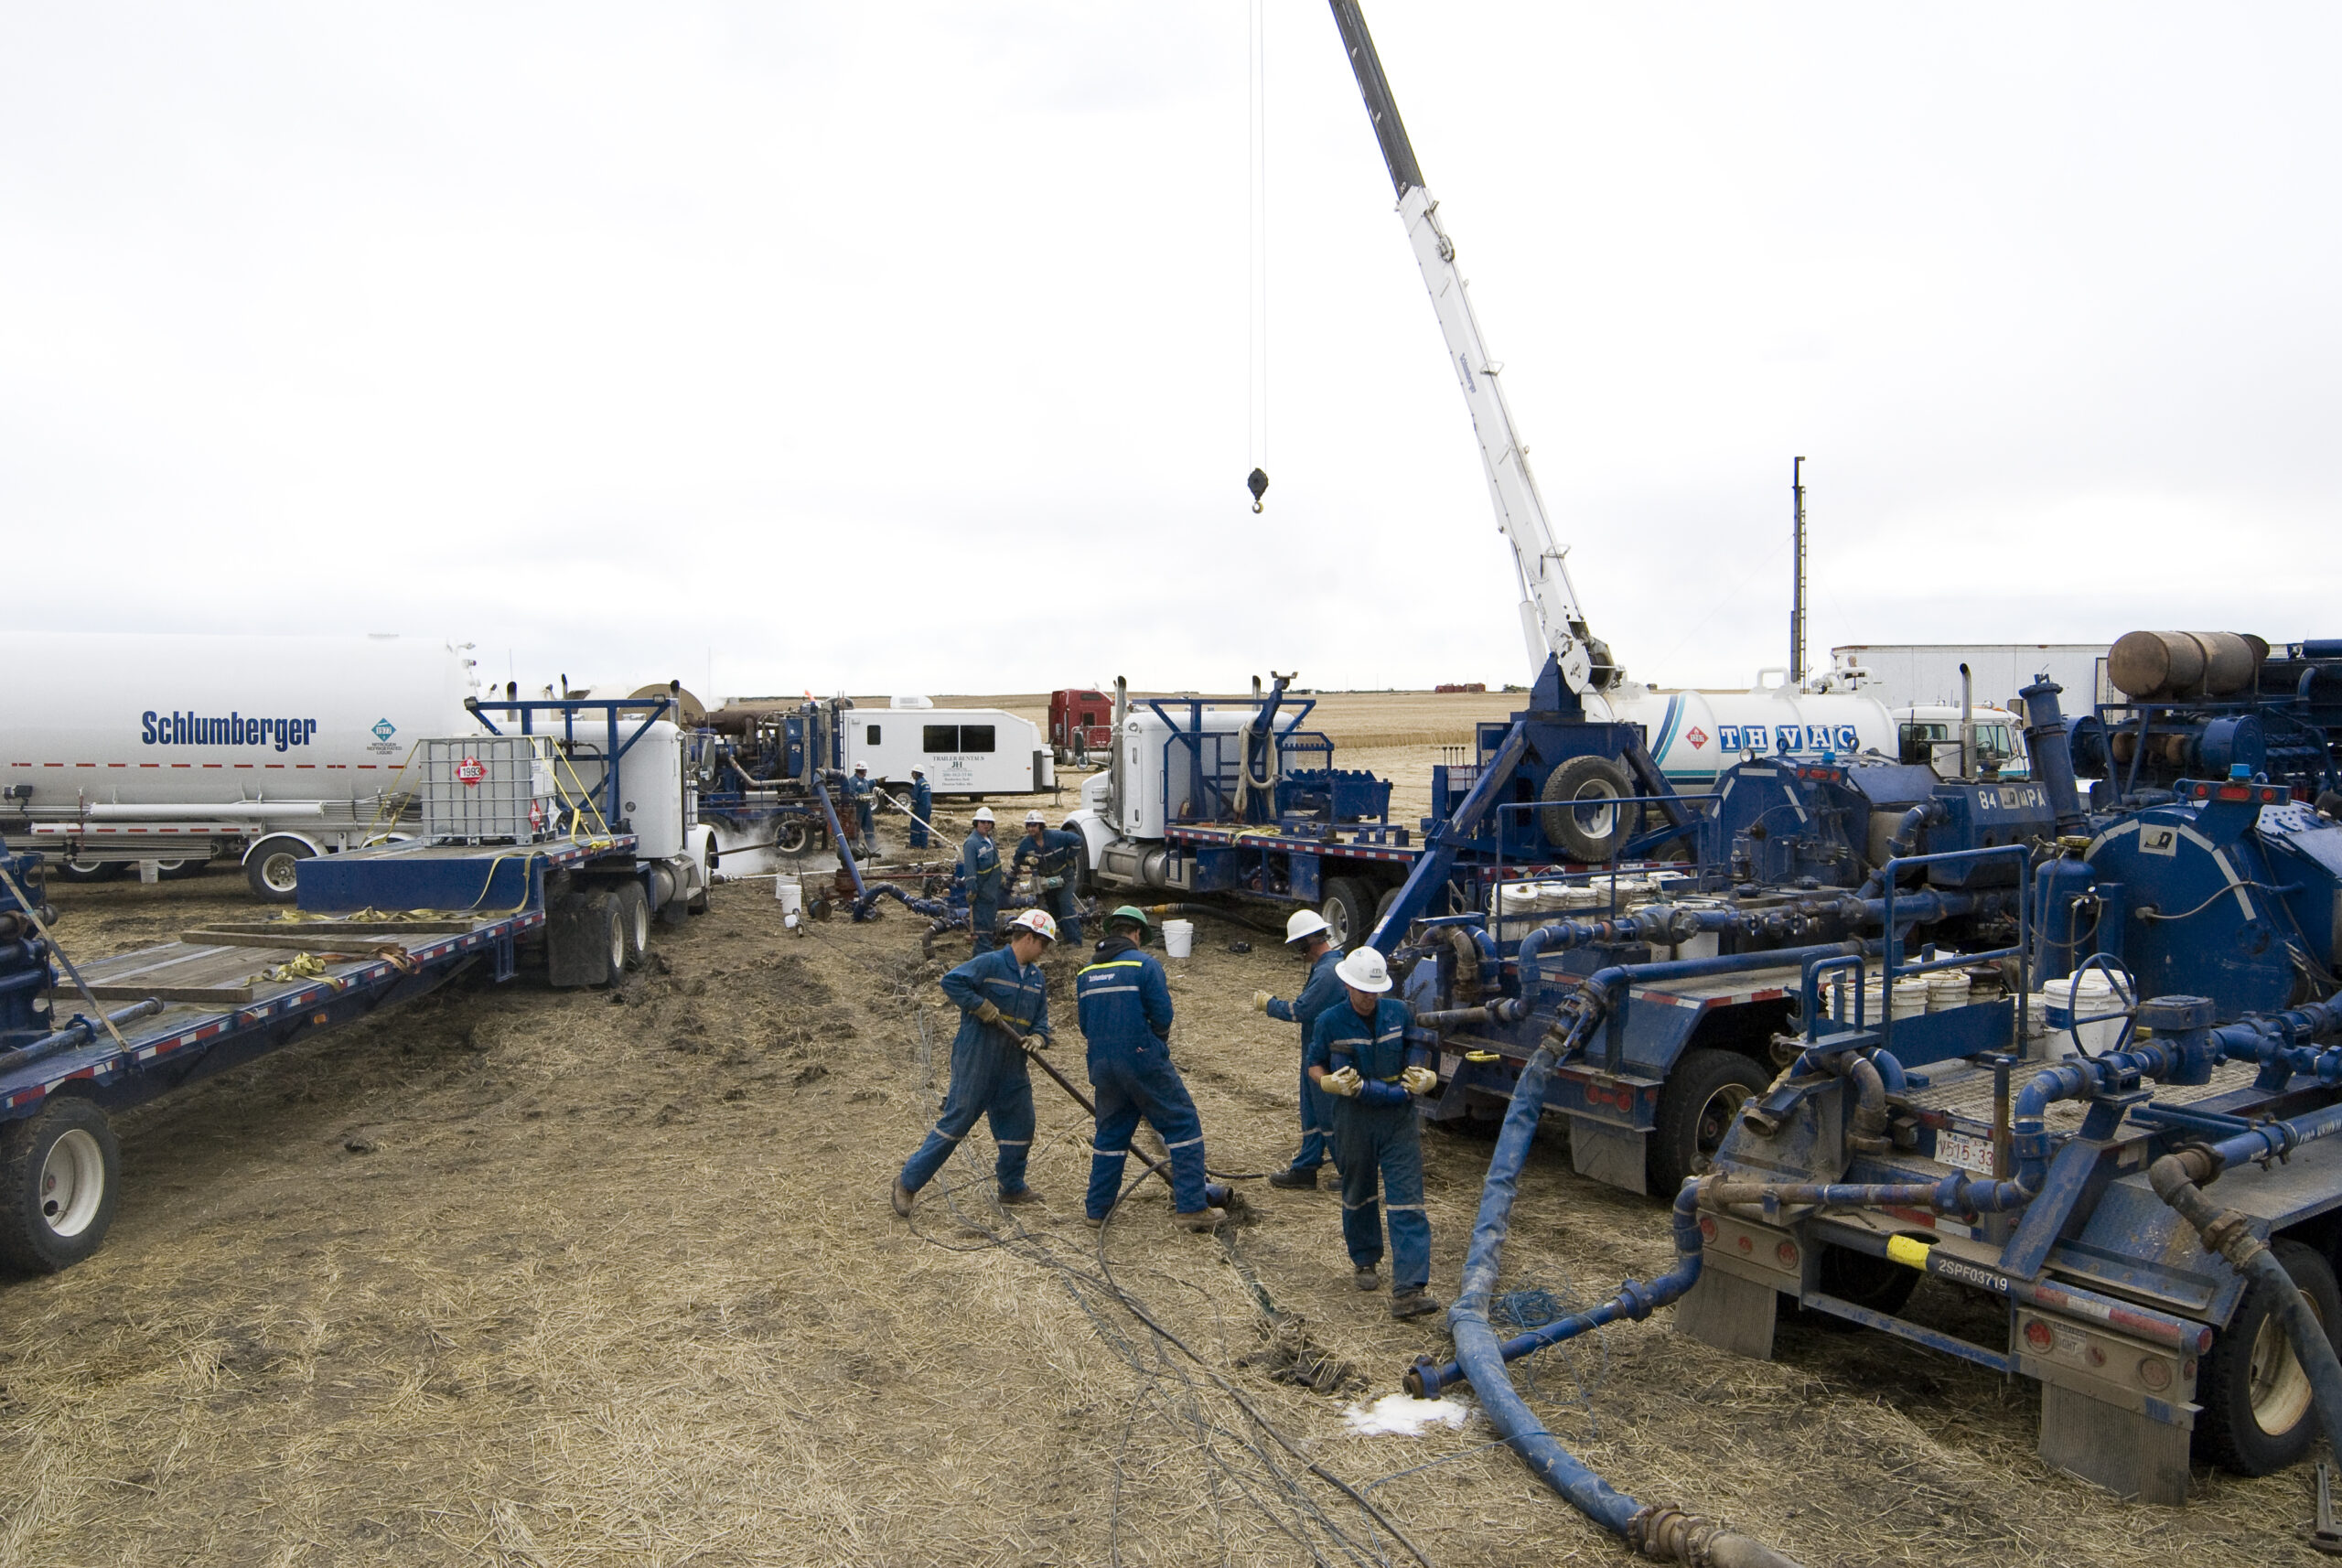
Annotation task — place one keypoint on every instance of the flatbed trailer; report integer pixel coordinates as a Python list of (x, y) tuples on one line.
[(377, 927)]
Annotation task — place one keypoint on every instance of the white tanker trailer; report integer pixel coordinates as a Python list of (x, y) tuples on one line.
[(1695, 735), (117, 748)]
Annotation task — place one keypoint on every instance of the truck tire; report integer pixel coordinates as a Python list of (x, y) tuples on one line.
[(609, 913), (180, 870), (269, 867), (633, 908), (85, 871), (58, 1174), (2258, 1415), (1881, 1284), (1576, 820), (698, 905), (1346, 910), (1696, 1108)]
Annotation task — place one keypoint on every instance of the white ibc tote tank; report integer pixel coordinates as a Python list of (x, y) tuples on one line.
[(107, 723)]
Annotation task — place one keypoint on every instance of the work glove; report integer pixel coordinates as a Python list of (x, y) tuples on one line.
[(1379, 1093), (1344, 1083), (986, 1013), (1419, 1080), (1039, 1042), (1261, 1000)]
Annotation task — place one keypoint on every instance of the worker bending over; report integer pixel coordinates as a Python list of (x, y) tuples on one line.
[(1124, 1003), (922, 807), (858, 792), (1323, 988), (980, 868), (1359, 1055), (1002, 999), (1056, 856)]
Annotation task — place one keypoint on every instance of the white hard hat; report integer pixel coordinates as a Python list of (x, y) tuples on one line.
[(1305, 923), (862, 767), (918, 772), (983, 815), (1036, 921), (1033, 819), (1364, 971)]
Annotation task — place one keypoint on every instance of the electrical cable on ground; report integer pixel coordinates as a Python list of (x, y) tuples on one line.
[(1269, 1487)]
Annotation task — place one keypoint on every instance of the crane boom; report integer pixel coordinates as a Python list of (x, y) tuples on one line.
[(1550, 621)]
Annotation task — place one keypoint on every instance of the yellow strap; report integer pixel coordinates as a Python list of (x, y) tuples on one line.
[(1114, 963)]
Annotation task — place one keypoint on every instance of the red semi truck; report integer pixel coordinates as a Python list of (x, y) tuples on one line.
[(1081, 722)]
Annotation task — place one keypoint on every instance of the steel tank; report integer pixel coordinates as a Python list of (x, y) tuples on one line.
[(120, 726), (1695, 735)]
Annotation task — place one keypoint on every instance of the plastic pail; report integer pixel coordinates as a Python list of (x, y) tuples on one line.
[(791, 894), (1178, 938)]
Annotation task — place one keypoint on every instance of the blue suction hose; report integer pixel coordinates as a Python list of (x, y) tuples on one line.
[(1656, 1530)]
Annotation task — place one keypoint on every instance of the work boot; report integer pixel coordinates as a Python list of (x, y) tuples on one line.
[(1095, 1221), (1365, 1278), (1201, 1218), (903, 1198), (1021, 1196), (1294, 1178), (1412, 1303)]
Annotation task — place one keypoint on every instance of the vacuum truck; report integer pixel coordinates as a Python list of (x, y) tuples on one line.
[(121, 749)]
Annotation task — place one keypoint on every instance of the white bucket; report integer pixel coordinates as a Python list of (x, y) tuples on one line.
[(1948, 989), (1910, 996), (791, 894), (1178, 938)]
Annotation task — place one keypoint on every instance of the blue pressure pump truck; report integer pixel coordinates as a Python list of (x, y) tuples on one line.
[(554, 849), (1854, 1021)]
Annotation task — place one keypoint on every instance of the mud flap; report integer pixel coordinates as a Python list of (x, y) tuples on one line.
[(577, 950)]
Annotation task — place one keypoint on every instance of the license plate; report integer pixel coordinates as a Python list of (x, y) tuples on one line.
[(1965, 1150)]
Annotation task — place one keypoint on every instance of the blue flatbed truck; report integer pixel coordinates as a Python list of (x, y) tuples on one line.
[(372, 927)]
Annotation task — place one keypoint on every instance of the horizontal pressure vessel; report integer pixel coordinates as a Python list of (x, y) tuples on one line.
[(139, 720), (2183, 664), (1694, 736)]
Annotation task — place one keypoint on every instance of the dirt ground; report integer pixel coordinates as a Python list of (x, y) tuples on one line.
[(519, 1277)]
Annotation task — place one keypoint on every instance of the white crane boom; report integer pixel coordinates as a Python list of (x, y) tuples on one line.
[(1550, 620)]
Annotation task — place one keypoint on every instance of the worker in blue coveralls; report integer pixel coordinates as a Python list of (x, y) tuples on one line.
[(980, 868), (1307, 931), (1004, 1002), (1055, 853), (922, 807), (1124, 1003), (858, 793), (1358, 1054)]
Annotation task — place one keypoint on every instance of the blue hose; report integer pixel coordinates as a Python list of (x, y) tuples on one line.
[(1656, 1530)]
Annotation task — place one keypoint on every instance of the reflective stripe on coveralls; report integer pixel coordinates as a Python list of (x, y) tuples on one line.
[(922, 810)]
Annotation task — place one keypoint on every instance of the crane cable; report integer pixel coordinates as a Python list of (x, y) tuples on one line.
[(1256, 251)]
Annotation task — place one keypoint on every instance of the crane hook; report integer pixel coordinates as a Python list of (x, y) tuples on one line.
[(1258, 483)]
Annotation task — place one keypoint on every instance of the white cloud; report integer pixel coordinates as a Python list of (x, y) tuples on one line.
[(904, 347)]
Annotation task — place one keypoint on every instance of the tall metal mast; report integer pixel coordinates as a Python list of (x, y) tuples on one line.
[(1550, 620), (1797, 591)]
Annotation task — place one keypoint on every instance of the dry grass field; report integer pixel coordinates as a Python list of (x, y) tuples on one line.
[(512, 1277)]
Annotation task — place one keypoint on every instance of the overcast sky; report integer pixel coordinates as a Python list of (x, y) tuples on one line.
[(904, 346)]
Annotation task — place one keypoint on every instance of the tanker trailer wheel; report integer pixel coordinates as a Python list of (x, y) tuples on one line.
[(793, 834), (1696, 1108), (1347, 910), (58, 1174), (2258, 1416), (81, 871), (180, 870), (633, 906), (269, 867), (1581, 817)]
